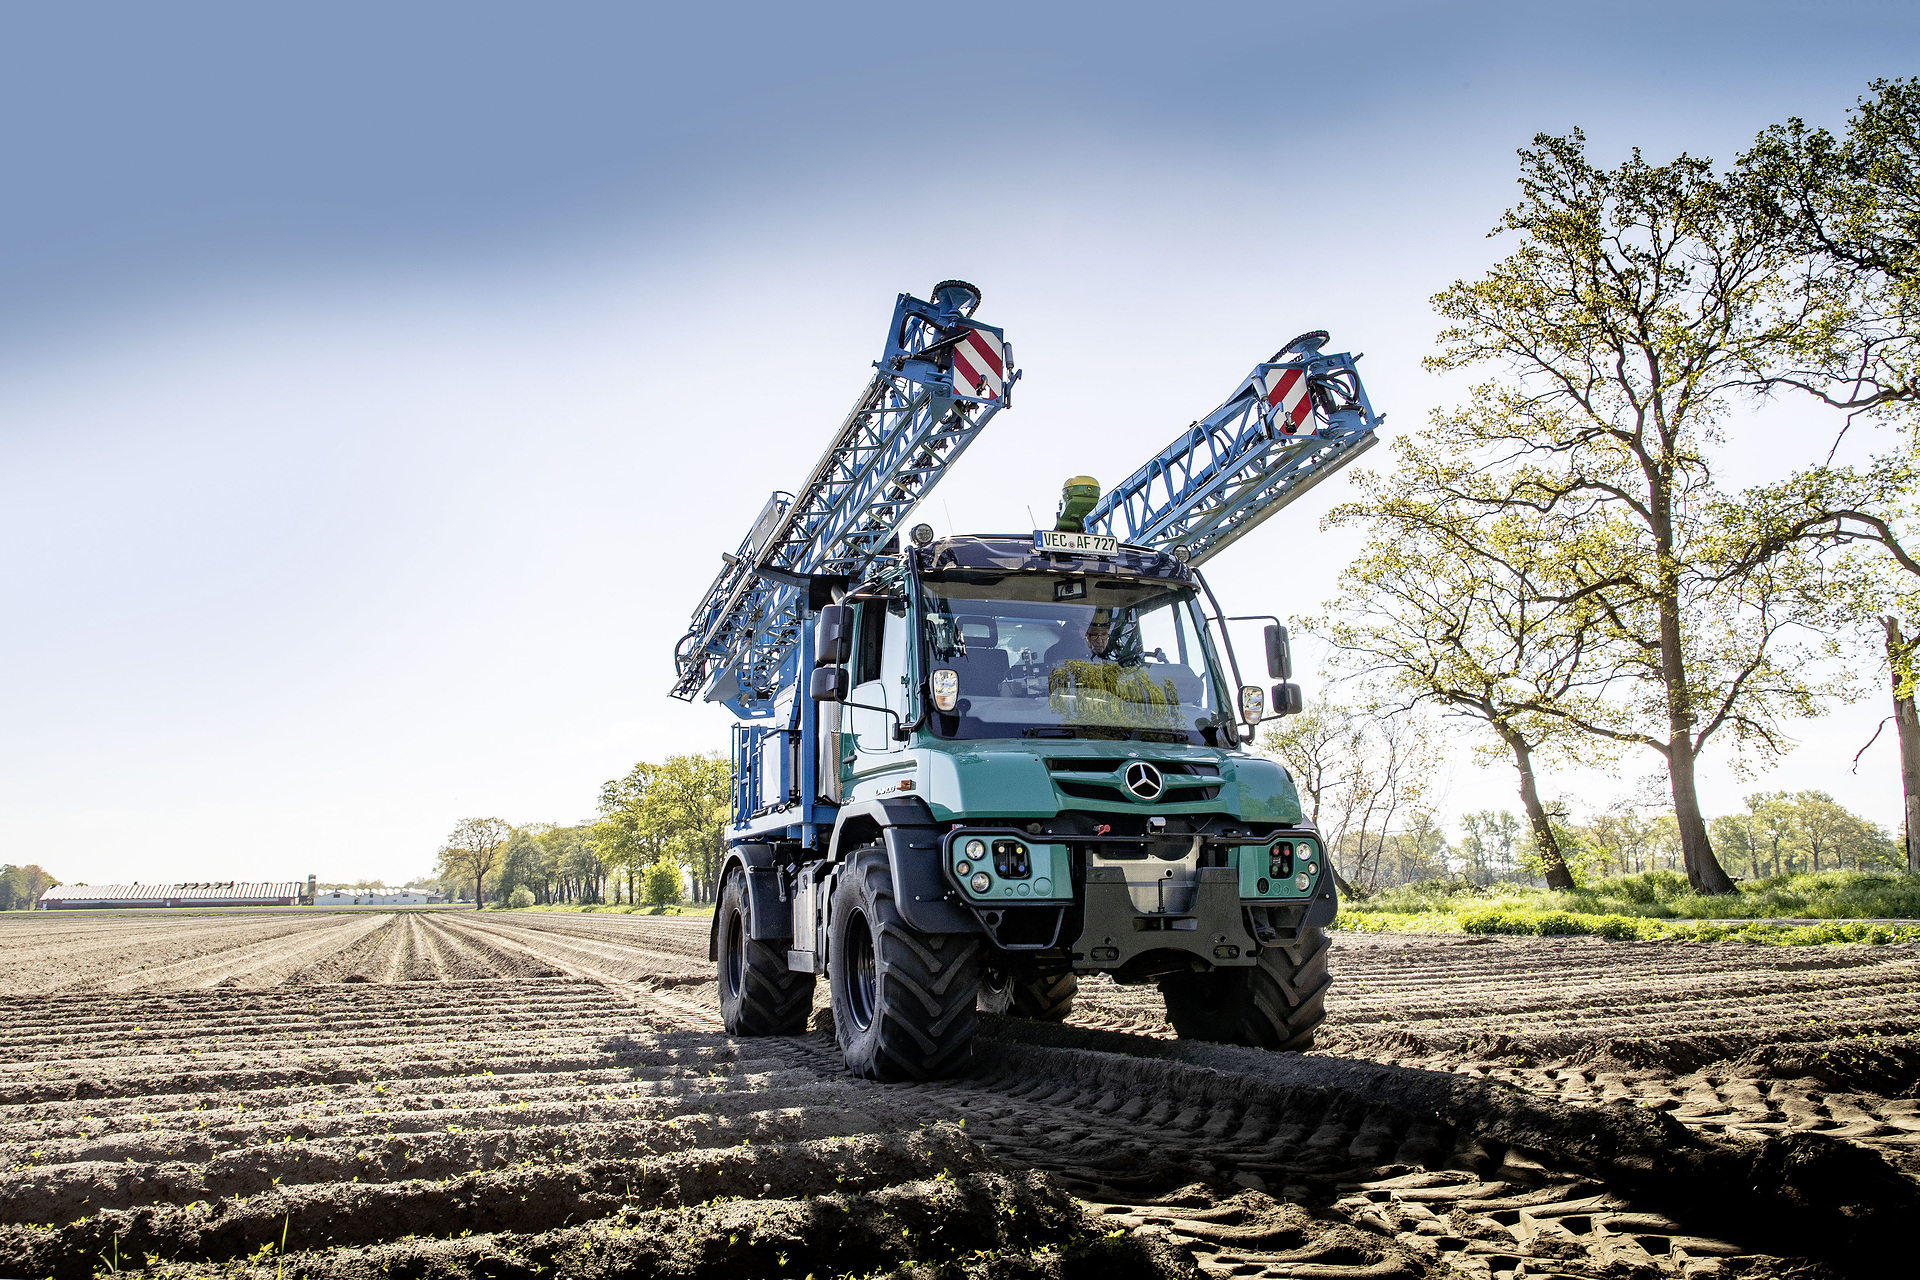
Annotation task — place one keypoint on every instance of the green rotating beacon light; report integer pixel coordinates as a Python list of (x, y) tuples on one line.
[(1077, 497)]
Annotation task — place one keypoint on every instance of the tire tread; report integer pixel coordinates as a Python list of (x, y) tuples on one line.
[(927, 986), (1278, 1003), (774, 1000)]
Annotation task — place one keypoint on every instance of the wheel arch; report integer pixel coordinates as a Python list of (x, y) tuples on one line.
[(742, 860), (904, 826)]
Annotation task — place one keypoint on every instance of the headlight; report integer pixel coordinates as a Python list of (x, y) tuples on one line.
[(1301, 881), (945, 684), (981, 882), (976, 850)]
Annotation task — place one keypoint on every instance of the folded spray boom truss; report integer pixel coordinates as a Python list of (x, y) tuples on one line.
[(940, 380), (1293, 421)]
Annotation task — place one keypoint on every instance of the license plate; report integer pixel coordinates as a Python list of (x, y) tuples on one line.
[(1078, 544)]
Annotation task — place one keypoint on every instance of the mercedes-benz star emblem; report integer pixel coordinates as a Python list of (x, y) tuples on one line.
[(1143, 780)]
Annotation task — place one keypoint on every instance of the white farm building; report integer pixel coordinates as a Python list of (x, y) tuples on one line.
[(206, 893)]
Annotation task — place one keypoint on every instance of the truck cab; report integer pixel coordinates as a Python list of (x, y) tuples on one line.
[(1023, 757)]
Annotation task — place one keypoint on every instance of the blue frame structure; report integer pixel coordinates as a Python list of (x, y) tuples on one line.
[(1248, 458), (913, 421), (941, 378)]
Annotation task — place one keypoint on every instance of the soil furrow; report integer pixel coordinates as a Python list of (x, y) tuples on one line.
[(494, 1094)]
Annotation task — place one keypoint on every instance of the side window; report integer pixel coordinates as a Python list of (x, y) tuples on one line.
[(867, 647)]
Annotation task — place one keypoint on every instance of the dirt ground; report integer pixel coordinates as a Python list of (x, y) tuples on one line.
[(514, 1094)]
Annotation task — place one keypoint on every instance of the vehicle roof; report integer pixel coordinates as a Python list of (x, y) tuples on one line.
[(1015, 552)]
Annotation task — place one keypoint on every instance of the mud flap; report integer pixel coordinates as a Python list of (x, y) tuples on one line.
[(1324, 907), (921, 894), (769, 916), (1114, 933)]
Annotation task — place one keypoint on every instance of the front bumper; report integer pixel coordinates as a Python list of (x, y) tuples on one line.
[(1212, 927), (1135, 894)]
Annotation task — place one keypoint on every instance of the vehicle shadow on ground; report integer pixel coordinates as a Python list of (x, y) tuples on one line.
[(1793, 1193)]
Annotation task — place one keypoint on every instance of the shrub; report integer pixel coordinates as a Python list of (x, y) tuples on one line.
[(1617, 927), (1553, 923), (1494, 920), (521, 898), (661, 884)]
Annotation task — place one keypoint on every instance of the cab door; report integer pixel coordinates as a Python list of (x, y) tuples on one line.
[(878, 680)]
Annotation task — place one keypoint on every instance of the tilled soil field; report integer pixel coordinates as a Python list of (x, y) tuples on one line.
[(521, 1094)]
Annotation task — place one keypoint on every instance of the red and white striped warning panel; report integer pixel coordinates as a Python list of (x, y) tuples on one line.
[(1286, 390), (979, 366)]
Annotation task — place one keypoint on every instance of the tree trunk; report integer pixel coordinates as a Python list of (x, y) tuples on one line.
[(1340, 881), (1704, 872), (1900, 654), (1558, 877)]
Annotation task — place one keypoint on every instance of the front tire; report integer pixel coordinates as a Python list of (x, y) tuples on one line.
[(1047, 998), (1275, 1004), (759, 995), (903, 1001)]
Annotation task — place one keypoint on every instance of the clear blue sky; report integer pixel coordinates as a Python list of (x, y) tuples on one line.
[(379, 383)]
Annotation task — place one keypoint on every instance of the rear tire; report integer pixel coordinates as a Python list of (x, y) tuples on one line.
[(1048, 998), (903, 1001), (759, 995), (1276, 1004)]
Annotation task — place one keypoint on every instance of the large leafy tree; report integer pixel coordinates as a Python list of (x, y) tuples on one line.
[(1620, 332), (1849, 207), (471, 852), (1475, 616), (686, 808), (520, 861), (624, 836)]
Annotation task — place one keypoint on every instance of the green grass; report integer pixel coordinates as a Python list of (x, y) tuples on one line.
[(1664, 895), (1521, 921), (1655, 905), (678, 909)]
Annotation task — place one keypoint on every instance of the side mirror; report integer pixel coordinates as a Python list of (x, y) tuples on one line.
[(828, 684), (833, 637), (1253, 703), (1288, 700), (1279, 654)]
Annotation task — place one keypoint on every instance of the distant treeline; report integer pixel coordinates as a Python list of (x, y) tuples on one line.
[(1371, 784), (21, 887), (655, 823)]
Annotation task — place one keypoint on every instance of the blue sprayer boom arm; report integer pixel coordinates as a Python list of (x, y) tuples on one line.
[(940, 379), (1292, 422)]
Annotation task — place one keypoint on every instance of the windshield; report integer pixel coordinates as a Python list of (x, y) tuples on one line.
[(1042, 655)]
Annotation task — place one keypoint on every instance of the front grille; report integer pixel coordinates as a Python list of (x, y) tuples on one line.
[(1085, 766), (1090, 791), (1174, 794)]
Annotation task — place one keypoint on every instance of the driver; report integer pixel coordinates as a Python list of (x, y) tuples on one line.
[(1099, 634)]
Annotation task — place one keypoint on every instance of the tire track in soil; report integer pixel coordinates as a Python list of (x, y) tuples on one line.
[(198, 1124)]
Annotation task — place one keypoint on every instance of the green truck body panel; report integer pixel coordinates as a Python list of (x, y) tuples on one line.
[(1009, 783)]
